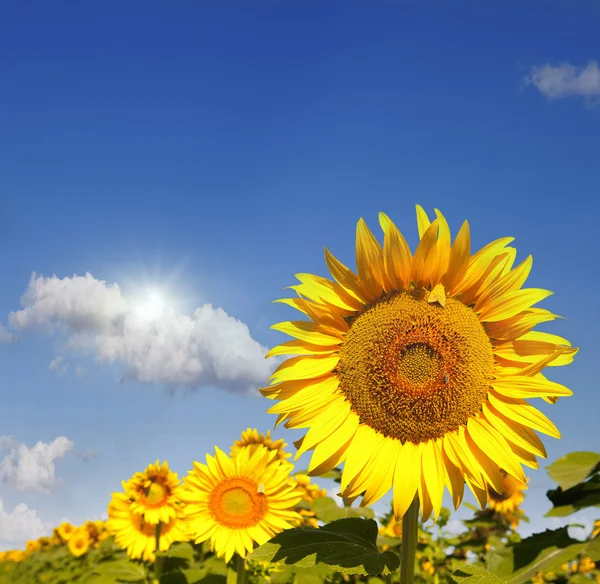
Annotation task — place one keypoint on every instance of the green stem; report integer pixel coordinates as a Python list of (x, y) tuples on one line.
[(388, 579), (158, 562), (410, 532), (241, 569)]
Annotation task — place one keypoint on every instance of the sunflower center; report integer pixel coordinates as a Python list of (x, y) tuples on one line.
[(415, 371), (155, 494), (236, 503)]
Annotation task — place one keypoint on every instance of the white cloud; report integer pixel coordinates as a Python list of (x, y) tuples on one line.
[(33, 469), (21, 524), (209, 348), (566, 80), (5, 336), (58, 365)]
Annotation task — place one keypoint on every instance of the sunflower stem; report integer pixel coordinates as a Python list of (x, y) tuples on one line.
[(410, 532), (241, 570), (158, 561)]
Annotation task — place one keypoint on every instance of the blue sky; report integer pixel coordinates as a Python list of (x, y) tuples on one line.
[(210, 151)]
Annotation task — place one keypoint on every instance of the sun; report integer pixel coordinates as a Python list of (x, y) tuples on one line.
[(152, 307)]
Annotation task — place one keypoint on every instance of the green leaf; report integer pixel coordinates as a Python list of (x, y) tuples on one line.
[(348, 545), (182, 551), (328, 510), (541, 552), (574, 468), (334, 473), (578, 497), (195, 576), (122, 570), (99, 579), (471, 574)]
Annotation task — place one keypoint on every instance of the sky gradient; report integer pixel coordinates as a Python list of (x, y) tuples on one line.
[(209, 151)]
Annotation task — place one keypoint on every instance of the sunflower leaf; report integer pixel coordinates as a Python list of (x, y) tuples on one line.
[(541, 552), (328, 510), (182, 551), (582, 495), (574, 468), (348, 545), (471, 574), (123, 570)]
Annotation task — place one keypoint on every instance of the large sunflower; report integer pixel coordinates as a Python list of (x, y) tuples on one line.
[(509, 500), (238, 501), (413, 371), (154, 493), (138, 536), (252, 439)]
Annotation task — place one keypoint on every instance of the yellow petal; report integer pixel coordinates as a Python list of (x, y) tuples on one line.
[(304, 367), (336, 440), (512, 303), (488, 467), (442, 249), (397, 257), (495, 446), (514, 432), (515, 326), (459, 259), (310, 332), (479, 263), (406, 477), (317, 288), (324, 426), (425, 260), (369, 261), (433, 472), (528, 387), (453, 478), (524, 413), (345, 277), (366, 441), (423, 222), (381, 469), (299, 348), (512, 281)]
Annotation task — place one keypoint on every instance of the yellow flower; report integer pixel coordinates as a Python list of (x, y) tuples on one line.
[(393, 528), (413, 371), (252, 439), (45, 543), (32, 546), (65, 530), (79, 542), (596, 529), (136, 535), (510, 499), (15, 556), (586, 564), (427, 567), (234, 502), (154, 493)]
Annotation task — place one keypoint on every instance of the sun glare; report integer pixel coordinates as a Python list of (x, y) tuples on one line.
[(152, 307)]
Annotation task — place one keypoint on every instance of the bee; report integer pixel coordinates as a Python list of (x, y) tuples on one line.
[(445, 379)]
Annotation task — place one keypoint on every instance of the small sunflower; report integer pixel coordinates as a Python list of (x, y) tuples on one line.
[(65, 530), (415, 371), (252, 439), (507, 502), (392, 528), (154, 493), (235, 502), (135, 534), (32, 546), (79, 542)]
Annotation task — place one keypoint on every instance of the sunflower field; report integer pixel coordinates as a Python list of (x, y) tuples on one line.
[(411, 375)]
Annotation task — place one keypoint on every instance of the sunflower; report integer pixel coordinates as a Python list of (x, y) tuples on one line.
[(65, 530), (413, 371), (154, 493), (238, 501), (79, 542), (252, 439), (507, 502), (135, 534), (392, 528), (32, 546)]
